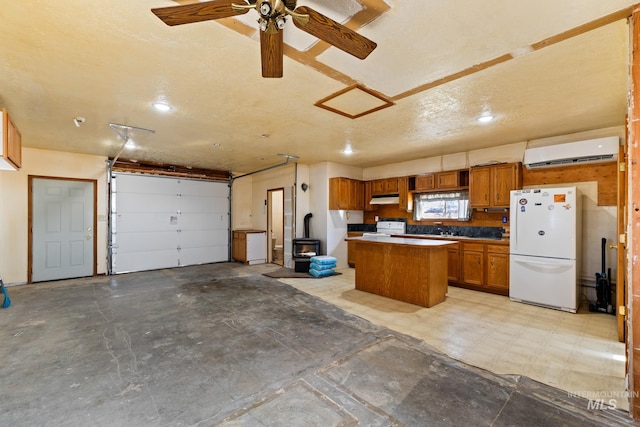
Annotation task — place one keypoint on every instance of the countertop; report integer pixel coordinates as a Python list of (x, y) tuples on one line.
[(396, 240), (453, 238)]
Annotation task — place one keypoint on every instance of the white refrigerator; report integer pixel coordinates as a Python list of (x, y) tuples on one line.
[(545, 247)]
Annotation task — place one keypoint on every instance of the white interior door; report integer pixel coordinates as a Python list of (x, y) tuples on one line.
[(164, 222), (62, 229)]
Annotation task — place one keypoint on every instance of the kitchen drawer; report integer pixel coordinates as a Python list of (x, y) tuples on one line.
[(474, 247), (501, 249)]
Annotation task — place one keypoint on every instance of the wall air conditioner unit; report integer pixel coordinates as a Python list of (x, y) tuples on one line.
[(599, 150)]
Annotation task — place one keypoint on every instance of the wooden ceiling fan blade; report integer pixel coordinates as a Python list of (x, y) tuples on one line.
[(197, 12), (334, 33), (271, 53)]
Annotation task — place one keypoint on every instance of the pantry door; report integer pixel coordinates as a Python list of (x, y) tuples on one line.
[(62, 223)]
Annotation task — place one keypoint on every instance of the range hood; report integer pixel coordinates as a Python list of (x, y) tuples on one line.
[(390, 199)]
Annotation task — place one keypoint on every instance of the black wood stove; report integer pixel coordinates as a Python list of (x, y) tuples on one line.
[(305, 248)]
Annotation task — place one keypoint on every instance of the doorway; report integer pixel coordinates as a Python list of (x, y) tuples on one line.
[(62, 219), (275, 226)]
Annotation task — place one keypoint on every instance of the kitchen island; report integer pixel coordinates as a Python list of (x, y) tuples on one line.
[(405, 269)]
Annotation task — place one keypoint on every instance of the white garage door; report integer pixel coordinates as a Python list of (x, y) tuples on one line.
[(162, 222)]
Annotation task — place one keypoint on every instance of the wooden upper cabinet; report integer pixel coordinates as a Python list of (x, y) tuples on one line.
[(441, 181), (480, 187), (505, 178), (447, 179), (346, 194), (10, 143), (425, 182), (403, 193), (384, 186), (367, 185), (490, 186)]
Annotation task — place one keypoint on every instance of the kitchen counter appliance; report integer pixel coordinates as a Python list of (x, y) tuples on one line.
[(545, 247), (387, 228)]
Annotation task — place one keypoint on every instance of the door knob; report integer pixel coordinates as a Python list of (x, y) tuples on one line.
[(613, 246), (88, 236)]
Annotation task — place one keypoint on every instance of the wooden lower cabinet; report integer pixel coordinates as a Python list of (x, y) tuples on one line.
[(473, 264), (351, 248), (498, 267), (250, 246), (481, 266), (485, 267), (453, 263)]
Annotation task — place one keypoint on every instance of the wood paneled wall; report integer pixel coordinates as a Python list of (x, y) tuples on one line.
[(606, 174)]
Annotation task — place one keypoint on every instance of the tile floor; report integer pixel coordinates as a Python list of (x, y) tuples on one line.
[(578, 353)]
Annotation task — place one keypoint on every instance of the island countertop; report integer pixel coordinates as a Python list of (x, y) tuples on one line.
[(405, 269), (407, 241)]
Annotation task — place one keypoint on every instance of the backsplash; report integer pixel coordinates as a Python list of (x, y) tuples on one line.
[(452, 230), (456, 230)]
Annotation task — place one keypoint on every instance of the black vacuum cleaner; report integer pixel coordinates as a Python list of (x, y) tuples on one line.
[(603, 287)]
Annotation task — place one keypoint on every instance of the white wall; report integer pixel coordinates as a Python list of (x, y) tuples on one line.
[(15, 198), (242, 203)]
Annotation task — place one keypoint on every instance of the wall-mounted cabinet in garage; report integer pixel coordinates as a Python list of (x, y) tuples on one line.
[(10, 143), (162, 222)]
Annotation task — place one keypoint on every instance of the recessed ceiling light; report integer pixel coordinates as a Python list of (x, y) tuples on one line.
[(485, 118), (162, 106)]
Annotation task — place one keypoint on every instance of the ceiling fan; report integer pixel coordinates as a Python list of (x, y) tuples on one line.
[(273, 15)]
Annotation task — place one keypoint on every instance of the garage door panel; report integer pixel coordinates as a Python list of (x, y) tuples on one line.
[(201, 238), (200, 188), (199, 256), (139, 261), (139, 184), (163, 222), (148, 241), (145, 222), (205, 221), (134, 202), (202, 204)]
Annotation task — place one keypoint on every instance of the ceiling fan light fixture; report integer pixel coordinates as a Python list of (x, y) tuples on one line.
[(263, 24), (265, 9), (280, 22)]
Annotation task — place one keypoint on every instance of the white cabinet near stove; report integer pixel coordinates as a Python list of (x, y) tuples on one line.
[(250, 246)]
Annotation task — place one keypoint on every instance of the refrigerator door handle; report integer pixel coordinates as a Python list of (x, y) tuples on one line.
[(536, 262), (547, 266)]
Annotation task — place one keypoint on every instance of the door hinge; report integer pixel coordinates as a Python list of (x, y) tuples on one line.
[(622, 166), (622, 239), (622, 310)]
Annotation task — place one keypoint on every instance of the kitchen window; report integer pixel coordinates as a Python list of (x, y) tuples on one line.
[(438, 206)]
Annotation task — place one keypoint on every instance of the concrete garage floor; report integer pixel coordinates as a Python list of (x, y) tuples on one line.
[(222, 344)]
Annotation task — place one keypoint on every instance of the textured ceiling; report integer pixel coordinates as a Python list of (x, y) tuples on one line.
[(442, 64)]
